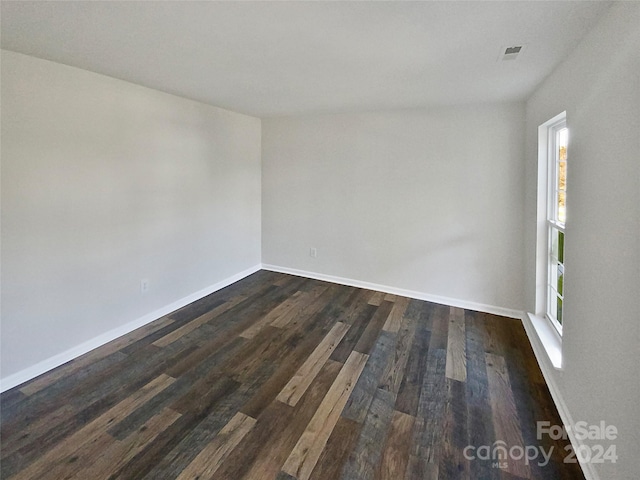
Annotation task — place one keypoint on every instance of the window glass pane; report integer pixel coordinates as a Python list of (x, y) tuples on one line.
[(559, 310), (562, 210), (560, 251), (562, 140), (560, 273), (562, 175), (562, 137)]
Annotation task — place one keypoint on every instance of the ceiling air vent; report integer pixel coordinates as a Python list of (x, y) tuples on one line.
[(511, 53)]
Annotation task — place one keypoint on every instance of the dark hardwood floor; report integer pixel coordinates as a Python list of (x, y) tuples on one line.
[(278, 376)]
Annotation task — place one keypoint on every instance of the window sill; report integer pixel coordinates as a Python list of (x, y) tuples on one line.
[(549, 338)]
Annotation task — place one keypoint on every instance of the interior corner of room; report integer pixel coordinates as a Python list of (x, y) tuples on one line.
[(122, 203)]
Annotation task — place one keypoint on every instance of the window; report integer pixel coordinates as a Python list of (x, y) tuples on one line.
[(544, 327), (557, 139)]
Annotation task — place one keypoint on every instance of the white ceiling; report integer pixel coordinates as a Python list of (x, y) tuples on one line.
[(288, 58)]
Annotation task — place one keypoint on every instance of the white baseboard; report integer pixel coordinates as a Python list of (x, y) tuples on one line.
[(563, 410), (74, 352), (454, 302)]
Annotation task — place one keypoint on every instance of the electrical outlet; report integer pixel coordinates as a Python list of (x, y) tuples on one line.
[(313, 252), (144, 285)]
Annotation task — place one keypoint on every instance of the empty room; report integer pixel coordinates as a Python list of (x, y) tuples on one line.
[(320, 240)]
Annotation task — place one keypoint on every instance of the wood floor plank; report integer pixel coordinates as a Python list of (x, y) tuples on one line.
[(439, 320), (456, 346), (428, 428), (341, 442), (395, 454), (297, 386), (376, 299), (452, 462), (505, 416), (394, 320), (491, 334), (395, 368), (307, 451), (359, 323), (364, 391), (366, 455), (480, 421), (368, 338), (411, 385), (205, 465)]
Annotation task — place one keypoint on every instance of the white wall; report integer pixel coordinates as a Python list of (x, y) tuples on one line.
[(599, 87), (427, 200), (105, 183)]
